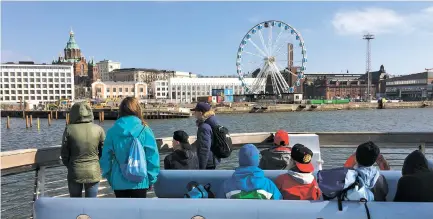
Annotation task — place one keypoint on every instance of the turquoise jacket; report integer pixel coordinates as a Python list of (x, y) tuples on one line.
[(116, 148)]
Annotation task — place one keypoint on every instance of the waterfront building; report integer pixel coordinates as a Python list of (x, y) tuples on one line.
[(187, 90), (74, 57), (113, 90), (160, 89), (106, 67), (413, 87), (342, 85), (36, 82)]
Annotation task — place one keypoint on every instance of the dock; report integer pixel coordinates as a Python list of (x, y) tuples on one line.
[(107, 114)]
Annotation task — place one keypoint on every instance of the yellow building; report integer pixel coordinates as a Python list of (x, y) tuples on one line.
[(113, 90)]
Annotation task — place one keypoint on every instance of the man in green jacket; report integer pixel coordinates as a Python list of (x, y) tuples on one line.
[(81, 148)]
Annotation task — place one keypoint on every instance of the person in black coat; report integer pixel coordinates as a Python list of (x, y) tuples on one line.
[(416, 183), (183, 157)]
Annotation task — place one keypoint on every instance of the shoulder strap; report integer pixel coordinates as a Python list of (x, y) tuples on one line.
[(366, 207)]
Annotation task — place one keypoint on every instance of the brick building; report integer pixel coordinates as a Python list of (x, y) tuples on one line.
[(330, 86)]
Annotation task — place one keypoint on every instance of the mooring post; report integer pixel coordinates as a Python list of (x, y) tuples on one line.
[(49, 119), (31, 120), (8, 123), (27, 121), (38, 124)]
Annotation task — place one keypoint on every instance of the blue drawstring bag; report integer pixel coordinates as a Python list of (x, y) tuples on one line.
[(196, 190), (135, 169)]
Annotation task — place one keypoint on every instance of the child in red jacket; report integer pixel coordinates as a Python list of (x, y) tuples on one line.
[(299, 182)]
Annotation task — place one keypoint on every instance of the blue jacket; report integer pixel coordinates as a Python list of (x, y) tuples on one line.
[(204, 142), (249, 179), (116, 148)]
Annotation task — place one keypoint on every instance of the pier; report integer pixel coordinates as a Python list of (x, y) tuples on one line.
[(104, 114)]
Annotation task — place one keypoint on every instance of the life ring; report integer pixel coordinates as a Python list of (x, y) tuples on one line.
[(380, 161)]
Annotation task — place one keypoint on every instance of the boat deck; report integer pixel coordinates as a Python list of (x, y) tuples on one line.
[(32, 173)]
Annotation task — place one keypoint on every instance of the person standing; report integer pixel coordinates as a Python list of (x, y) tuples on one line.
[(115, 153), (205, 120), (81, 148), (183, 157)]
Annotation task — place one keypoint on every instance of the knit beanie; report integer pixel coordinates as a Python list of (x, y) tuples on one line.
[(249, 156), (367, 153), (415, 162)]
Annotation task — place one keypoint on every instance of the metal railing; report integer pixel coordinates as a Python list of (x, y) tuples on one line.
[(32, 173)]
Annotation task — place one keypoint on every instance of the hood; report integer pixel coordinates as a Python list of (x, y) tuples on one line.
[(303, 178), (209, 118), (128, 126), (415, 162), (80, 113), (249, 156), (368, 176), (184, 156), (248, 178)]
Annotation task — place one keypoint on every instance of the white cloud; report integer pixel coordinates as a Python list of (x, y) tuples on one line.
[(382, 21), (11, 56)]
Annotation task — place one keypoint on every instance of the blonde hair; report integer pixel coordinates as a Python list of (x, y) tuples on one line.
[(130, 106)]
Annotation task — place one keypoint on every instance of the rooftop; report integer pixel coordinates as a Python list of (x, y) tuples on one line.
[(142, 69)]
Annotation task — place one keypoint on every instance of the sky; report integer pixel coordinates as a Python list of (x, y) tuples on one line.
[(203, 37)]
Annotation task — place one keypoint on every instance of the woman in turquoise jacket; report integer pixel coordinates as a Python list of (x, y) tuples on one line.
[(116, 149)]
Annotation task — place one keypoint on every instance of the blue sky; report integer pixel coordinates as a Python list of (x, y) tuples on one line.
[(203, 37)]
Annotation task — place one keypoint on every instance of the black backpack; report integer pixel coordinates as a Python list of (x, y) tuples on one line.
[(221, 142)]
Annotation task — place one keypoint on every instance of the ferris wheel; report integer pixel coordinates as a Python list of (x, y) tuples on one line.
[(271, 52)]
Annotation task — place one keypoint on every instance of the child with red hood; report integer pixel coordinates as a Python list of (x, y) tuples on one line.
[(299, 182), (278, 156)]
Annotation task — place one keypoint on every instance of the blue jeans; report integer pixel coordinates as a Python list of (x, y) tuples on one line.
[(76, 189)]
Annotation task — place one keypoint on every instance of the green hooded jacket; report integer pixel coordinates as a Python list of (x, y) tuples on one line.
[(82, 145)]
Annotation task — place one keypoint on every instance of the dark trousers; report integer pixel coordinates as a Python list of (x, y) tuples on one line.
[(131, 193), (76, 189)]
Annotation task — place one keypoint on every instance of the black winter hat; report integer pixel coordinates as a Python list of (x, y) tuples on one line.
[(367, 153), (181, 136), (415, 162)]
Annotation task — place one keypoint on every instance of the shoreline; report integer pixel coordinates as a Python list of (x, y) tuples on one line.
[(321, 107), (166, 113)]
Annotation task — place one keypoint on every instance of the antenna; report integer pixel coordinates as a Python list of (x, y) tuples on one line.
[(368, 37)]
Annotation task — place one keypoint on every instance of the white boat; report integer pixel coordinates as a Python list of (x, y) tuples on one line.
[(171, 186)]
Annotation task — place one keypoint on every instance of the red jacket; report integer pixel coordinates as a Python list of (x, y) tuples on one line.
[(298, 186)]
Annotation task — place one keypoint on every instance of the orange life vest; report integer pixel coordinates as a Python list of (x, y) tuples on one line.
[(293, 190), (381, 162)]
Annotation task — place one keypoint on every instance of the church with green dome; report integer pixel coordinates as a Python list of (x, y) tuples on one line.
[(85, 72)]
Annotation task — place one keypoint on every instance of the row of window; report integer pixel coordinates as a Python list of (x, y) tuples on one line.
[(418, 81), (119, 89), (205, 87), (13, 86), (37, 67), (37, 74), (13, 92), (37, 80), (16, 98)]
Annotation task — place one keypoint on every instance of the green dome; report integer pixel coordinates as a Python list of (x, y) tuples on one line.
[(71, 43)]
